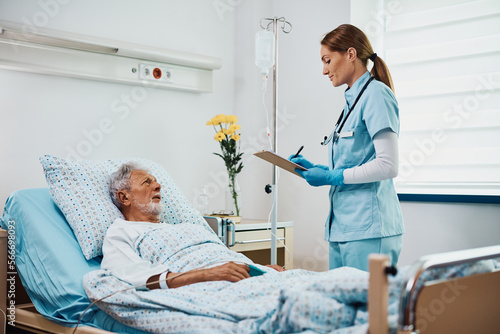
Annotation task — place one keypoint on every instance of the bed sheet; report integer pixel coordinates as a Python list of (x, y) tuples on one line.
[(50, 262), (295, 301), (288, 302)]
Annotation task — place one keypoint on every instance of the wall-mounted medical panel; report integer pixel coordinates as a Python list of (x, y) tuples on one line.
[(52, 55)]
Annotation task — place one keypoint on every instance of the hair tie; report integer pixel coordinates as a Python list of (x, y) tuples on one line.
[(373, 56)]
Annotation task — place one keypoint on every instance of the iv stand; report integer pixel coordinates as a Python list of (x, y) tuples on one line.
[(274, 188)]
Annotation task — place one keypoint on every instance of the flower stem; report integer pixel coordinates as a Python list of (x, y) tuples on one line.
[(232, 185)]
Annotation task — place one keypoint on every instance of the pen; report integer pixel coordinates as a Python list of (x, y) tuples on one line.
[(298, 152)]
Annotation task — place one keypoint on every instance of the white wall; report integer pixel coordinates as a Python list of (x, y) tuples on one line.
[(47, 115), (50, 115)]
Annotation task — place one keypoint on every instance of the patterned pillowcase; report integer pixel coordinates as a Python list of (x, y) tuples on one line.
[(80, 190)]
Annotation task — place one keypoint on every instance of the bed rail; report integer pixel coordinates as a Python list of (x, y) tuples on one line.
[(407, 303)]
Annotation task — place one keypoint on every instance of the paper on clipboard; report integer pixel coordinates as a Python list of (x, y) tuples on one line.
[(279, 161)]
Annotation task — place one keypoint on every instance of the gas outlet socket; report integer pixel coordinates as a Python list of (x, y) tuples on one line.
[(155, 73)]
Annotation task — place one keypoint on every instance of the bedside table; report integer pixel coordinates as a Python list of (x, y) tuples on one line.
[(253, 238)]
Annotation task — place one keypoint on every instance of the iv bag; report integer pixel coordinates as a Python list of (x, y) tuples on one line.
[(264, 50)]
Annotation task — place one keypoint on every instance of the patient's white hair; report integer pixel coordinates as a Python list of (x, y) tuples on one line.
[(120, 180)]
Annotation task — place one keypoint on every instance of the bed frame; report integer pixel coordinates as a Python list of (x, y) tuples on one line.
[(464, 305)]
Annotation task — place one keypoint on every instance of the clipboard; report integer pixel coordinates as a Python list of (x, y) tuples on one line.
[(279, 161)]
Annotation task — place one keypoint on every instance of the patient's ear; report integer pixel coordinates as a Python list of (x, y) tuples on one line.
[(124, 198)]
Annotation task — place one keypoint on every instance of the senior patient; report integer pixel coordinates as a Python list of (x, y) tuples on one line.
[(142, 249)]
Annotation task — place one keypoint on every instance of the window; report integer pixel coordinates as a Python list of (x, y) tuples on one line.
[(444, 57)]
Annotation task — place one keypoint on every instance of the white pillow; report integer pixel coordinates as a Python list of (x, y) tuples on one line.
[(80, 190)]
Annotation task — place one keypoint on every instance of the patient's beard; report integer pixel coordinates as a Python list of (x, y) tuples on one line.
[(150, 209)]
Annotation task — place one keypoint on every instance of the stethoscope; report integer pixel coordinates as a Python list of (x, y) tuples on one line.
[(336, 130)]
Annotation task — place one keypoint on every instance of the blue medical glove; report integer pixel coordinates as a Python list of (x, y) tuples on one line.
[(322, 167), (319, 177), (300, 160)]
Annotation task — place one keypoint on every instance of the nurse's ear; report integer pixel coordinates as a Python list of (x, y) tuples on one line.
[(351, 54)]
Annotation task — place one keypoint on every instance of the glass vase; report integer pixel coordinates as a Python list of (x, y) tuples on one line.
[(233, 197)]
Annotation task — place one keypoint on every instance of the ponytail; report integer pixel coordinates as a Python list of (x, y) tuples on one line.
[(381, 72), (346, 36)]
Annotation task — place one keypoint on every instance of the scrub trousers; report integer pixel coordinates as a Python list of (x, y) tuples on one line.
[(355, 253)]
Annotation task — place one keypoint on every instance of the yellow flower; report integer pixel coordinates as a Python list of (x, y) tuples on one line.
[(219, 136), (225, 130), (234, 127), (230, 119), (223, 119), (216, 120)]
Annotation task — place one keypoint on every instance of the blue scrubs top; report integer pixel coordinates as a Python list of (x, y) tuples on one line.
[(366, 210)]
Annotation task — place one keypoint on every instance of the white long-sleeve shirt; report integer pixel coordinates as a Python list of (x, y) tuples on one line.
[(385, 164)]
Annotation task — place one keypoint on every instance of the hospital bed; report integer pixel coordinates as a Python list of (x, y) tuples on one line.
[(50, 249), (43, 240)]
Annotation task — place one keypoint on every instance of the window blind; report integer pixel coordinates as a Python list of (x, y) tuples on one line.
[(444, 57)]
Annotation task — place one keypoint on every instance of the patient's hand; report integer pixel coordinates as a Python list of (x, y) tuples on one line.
[(276, 267), (231, 272)]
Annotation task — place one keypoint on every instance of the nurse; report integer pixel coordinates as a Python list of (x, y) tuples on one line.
[(365, 216)]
